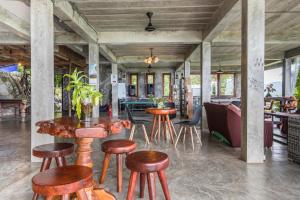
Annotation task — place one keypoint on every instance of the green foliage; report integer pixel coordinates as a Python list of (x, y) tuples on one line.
[(297, 89), (158, 101), (83, 93)]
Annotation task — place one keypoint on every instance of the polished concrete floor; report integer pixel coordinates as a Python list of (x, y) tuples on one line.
[(212, 171)]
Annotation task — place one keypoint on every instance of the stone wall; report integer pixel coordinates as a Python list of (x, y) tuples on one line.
[(142, 79)]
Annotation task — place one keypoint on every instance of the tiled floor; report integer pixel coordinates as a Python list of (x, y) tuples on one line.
[(212, 171)]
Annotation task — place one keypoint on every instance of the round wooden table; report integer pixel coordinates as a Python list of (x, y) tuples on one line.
[(161, 116), (84, 133)]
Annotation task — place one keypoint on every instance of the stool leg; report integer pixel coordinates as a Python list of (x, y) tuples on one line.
[(192, 138), (82, 195), (142, 184), (59, 162), (49, 197), (163, 181), (131, 186), (132, 132), (45, 165), (119, 172), (151, 186), (64, 161), (105, 167), (65, 197)]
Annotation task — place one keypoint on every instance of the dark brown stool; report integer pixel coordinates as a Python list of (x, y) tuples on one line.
[(49, 151), (147, 163), (117, 147), (63, 181)]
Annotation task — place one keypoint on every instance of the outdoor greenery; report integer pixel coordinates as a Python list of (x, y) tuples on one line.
[(83, 94), (297, 90)]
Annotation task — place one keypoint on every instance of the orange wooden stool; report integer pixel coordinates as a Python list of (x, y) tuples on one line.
[(117, 147), (58, 151), (147, 163), (63, 181)]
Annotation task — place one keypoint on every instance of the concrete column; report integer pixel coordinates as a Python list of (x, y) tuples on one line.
[(253, 49), (42, 69), (205, 80), (286, 75), (188, 89), (94, 71), (114, 90)]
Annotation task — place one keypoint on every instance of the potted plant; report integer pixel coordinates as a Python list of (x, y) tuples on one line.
[(84, 96), (159, 102), (270, 89)]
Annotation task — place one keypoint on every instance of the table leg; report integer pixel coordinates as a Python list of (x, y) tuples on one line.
[(165, 127), (159, 124), (153, 127), (170, 129), (83, 152)]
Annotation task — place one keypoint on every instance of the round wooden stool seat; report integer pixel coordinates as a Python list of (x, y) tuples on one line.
[(118, 146), (147, 161), (62, 180), (53, 150)]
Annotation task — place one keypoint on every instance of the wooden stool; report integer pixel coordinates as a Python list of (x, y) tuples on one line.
[(147, 163), (117, 147), (63, 181), (49, 151)]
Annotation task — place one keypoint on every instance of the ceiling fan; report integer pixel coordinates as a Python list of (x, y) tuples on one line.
[(150, 27)]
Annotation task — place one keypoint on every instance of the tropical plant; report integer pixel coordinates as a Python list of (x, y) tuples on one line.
[(297, 90), (270, 89), (82, 93)]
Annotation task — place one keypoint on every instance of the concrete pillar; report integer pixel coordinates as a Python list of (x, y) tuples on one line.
[(114, 89), (205, 80), (42, 69), (253, 49), (286, 75), (188, 89), (94, 71)]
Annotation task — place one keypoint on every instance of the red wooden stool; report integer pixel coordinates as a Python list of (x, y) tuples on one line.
[(63, 181), (49, 151), (147, 163), (117, 147)]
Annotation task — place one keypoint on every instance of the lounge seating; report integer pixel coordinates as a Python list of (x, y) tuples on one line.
[(226, 119)]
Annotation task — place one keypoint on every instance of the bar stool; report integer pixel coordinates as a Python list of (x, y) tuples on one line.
[(63, 181), (147, 163), (117, 147), (58, 151)]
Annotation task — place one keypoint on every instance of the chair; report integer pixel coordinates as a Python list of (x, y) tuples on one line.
[(56, 151), (117, 147), (63, 181), (135, 123), (191, 124), (147, 164)]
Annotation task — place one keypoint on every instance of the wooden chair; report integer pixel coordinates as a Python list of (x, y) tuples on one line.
[(117, 147), (136, 122), (63, 181), (47, 152), (147, 164), (191, 125)]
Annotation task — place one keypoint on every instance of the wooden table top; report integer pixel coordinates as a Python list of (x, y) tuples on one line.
[(73, 128), (161, 111)]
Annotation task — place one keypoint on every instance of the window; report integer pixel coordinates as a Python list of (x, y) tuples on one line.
[(150, 79), (166, 85), (134, 85), (222, 85)]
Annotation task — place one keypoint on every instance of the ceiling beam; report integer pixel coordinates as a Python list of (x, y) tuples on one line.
[(140, 59), (15, 24), (70, 16), (107, 53), (227, 14), (178, 37)]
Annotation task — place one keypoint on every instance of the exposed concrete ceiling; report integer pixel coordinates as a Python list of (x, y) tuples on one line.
[(130, 15)]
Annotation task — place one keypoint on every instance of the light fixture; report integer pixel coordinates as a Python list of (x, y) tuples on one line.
[(149, 68), (150, 26), (220, 71), (151, 59)]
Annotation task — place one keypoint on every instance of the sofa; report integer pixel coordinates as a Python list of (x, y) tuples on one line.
[(226, 120)]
